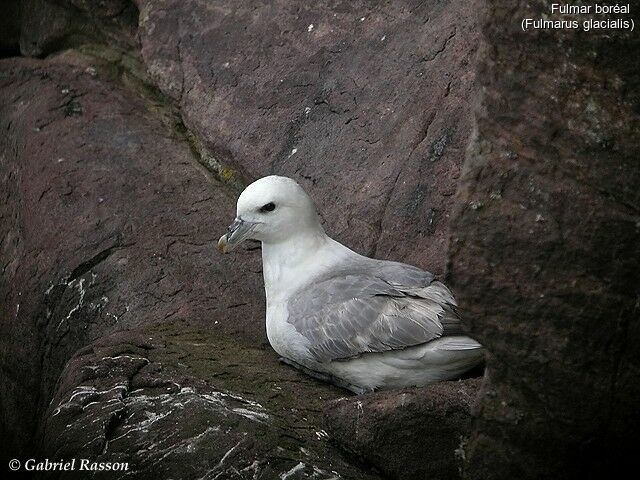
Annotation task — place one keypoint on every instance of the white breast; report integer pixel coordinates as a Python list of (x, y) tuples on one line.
[(287, 267), (283, 337)]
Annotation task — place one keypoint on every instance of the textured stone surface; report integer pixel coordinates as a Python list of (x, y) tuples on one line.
[(414, 433), (47, 26), (108, 222), (546, 248), (179, 402), (366, 104)]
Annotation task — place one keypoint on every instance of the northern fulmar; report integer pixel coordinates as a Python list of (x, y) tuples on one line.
[(360, 323)]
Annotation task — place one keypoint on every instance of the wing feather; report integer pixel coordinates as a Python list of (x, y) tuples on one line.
[(377, 307)]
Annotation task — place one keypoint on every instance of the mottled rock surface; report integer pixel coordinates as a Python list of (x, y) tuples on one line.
[(414, 433), (48, 26), (109, 219), (546, 248), (109, 222), (181, 402), (367, 104)]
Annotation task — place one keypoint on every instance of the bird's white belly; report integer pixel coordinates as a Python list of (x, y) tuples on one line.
[(414, 366), (283, 336)]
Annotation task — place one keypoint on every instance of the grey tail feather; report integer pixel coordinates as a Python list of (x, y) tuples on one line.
[(459, 343)]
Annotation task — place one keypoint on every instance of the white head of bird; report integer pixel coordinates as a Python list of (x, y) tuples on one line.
[(272, 209)]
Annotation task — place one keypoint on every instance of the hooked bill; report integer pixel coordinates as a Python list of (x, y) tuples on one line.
[(222, 244)]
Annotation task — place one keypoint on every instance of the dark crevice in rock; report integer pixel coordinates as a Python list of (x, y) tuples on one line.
[(87, 265), (130, 77), (442, 48), (119, 417), (618, 358), (47, 27), (10, 51), (112, 424)]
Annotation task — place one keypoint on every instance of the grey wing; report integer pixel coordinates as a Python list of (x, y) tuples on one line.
[(348, 314)]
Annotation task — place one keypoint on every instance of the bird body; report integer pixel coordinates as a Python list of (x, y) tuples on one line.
[(362, 323), (285, 274)]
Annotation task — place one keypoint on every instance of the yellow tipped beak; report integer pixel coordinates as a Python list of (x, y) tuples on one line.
[(237, 232), (223, 244)]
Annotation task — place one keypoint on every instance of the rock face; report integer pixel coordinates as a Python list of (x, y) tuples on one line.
[(546, 248), (367, 104), (179, 402), (122, 154), (110, 227), (48, 26), (109, 222), (408, 434)]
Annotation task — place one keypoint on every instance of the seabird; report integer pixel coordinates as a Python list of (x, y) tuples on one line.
[(360, 323)]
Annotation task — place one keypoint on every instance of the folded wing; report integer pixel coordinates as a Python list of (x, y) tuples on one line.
[(379, 307)]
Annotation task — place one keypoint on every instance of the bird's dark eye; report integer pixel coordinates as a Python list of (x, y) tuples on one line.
[(269, 207)]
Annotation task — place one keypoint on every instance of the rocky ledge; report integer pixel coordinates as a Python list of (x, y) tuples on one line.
[(176, 401)]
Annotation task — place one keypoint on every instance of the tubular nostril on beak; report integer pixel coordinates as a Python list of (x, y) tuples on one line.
[(236, 234), (234, 226)]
